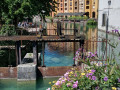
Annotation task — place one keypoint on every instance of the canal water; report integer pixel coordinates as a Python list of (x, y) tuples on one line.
[(56, 54), (12, 84)]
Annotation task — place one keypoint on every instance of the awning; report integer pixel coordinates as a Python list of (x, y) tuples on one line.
[(75, 14)]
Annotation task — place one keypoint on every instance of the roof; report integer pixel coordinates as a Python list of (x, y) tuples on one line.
[(75, 14)]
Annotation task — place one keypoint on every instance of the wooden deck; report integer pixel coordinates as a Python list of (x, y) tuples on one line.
[(54, 38)]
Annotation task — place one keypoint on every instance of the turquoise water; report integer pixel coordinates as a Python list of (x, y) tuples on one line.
[(57, 55), (12, 84)]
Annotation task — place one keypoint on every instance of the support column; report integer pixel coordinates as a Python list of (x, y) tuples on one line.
[(43, 50), (74, 54), (35, 53), (82, 46), (59, 32), (18, 53)]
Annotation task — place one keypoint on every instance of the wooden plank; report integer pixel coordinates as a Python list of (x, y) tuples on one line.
[(42, 38)]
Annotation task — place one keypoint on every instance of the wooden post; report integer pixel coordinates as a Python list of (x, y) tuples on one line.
[(74, 28), (18, 53), (59, 28), (43, 50), (74, 54), (35, 53)]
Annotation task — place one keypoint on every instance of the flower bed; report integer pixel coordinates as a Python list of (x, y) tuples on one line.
[(96, 76)]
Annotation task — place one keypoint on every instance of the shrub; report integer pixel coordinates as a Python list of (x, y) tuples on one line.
[(91, 22)]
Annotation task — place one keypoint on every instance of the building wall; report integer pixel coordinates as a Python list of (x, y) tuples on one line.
[(91, 6), (114, 13), (71, 6), (81, 5), (60, 6), (94, 9), (66, 6), (87, 7), (55, 12), (76, 5)]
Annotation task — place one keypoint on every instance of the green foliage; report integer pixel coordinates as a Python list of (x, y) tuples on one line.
[(16, 10), (91, 22), (7, 30), (78, 18)]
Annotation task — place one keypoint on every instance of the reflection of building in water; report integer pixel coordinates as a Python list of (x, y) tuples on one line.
[(67, 27), (51, 28), (91, 44), (62, 47)]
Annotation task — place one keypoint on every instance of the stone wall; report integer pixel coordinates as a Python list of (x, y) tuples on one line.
[(8, 72), (53, 71), (11, 72)]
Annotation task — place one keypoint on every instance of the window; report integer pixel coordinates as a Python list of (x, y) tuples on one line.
[(87, 2), (65, 8), (61, 0), (75, 3), (70, 0), (93, 14), (70, 3), (61, 4), (61, 9), (104, 20), (70, 8), (65, 4), (75, 7), (87, 7)]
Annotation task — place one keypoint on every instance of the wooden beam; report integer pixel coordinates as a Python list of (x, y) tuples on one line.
[(42, 38)]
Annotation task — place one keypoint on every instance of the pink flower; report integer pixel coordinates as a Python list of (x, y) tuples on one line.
[(90, 74), (66, 74), (112, 30), (93, 77), (87, 75), (75, 75), (96, 53), (58, 83), (74, 85), (105, 78), (48, 89), (119, 80), (80, 49), (76, 82), (63, 81), (68, 85), (116, 31), (93, 70)]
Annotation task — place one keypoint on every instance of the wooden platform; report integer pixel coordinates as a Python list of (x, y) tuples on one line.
[(54, 38)]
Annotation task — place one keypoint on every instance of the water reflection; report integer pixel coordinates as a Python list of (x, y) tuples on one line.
[(62, 53), (13, 84)]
